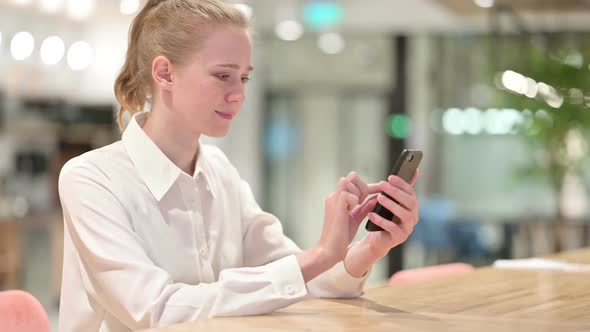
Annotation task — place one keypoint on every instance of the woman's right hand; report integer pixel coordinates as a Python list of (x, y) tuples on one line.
[(342, 218), (343, 215)]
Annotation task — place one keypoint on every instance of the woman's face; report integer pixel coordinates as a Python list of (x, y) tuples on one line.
[(207, 93)]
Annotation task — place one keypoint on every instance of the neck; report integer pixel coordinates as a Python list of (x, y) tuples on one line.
[(180, 146)]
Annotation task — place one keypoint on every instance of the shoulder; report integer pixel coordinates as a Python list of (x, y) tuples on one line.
[(99, 165), (92, 184)]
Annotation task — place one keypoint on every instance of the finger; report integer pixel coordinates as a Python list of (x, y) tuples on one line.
[(415, 177), (388, 226), (350, 200), (363, 188), (354, 190), (341, 184), (403, 198), (363, 210), (408, 225), (402, 213), (396, 181), (374, 188)]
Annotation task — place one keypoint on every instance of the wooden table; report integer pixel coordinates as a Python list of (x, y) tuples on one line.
[(488, 299)]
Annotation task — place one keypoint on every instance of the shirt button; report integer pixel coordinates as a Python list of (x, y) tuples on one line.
[(290, 290), (203, 252)]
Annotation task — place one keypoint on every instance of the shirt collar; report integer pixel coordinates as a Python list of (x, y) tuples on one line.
[(153, 166), (202, 167)]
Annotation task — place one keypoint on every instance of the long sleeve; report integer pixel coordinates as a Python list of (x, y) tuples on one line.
[(264, 242), (118, 274)]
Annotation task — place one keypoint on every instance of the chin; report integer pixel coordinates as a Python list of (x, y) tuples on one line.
[(217, 132)]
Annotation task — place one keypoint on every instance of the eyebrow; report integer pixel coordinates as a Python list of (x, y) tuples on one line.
[(234, 66)]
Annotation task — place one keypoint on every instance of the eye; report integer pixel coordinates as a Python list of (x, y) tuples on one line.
[(223, 77), (245, 79)]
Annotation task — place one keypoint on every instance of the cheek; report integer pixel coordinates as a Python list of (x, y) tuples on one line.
[(192, 93)]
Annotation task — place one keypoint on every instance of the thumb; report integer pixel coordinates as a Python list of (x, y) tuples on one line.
[(363, 210)]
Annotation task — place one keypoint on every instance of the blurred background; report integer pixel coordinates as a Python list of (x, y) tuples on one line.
[(495, 93)]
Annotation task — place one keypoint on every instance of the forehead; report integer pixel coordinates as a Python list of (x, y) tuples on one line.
[(227, 44)]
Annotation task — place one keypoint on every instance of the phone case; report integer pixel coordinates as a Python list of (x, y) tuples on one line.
[(404, 167)]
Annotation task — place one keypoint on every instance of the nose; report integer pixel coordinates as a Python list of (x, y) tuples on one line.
[(236, 95)]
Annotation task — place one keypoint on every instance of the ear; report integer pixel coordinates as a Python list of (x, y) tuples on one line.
[(162, 72)]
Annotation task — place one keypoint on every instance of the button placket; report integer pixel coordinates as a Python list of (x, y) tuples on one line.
[(203, 252), (190, 196), (201, 231), (201, 234)]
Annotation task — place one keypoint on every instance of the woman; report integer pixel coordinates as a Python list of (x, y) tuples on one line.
[(160, 229)]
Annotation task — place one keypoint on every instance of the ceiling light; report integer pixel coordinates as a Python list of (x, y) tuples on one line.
[(331, 43), (51, 6), (484, 3), (22, 45), (80, 9), (80, 56), (289, 30), (52, 50)]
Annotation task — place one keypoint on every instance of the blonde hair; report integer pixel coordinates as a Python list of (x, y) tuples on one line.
[(172, 28)]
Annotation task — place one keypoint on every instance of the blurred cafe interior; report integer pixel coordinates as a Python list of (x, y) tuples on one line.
[(496, 93)]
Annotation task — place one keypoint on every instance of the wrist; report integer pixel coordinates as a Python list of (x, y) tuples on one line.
[(359, 259), (314, 262), (322, 257), (371, 251)]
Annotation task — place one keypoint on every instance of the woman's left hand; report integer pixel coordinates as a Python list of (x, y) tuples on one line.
[(379, 243)]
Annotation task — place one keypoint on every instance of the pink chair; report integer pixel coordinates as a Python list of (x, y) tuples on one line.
[(429, 273), (22, 312)]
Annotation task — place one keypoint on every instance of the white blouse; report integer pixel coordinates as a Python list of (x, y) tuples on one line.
[(147, 245)]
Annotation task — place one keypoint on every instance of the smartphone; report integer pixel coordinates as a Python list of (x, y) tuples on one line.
[(404, 167)]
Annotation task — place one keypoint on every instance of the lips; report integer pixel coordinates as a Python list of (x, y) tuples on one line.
[(224, 115)]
